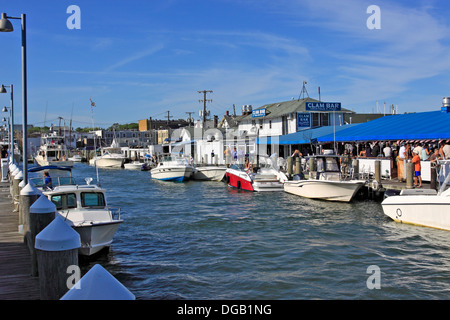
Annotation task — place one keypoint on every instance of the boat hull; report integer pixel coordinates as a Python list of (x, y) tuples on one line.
[(341, 191), (427, 211), (62, 163), (209, 173), (167, 173), (133, 166), (96, 236), (108, 162), (239, 180), (268, 185)]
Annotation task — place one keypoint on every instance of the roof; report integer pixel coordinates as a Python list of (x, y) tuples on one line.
[(278, 109), (412, 126), (304, 136)]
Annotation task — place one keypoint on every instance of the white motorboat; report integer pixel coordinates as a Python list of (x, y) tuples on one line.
[(423, 207), (172, 169), (325, 182), (53, 151), (134, 165), (137, 165), (110, 158), (76, 158), (213, 173), (84, 208)]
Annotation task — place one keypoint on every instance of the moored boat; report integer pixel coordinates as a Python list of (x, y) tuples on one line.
[(171, 168), (423, 207), (213, 173), (267, 178), (53, 151), (325, 182), (83, 207)]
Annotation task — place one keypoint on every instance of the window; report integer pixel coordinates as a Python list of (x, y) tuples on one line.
[(315, 120), (92, 199), (324, 119), (65, 201)]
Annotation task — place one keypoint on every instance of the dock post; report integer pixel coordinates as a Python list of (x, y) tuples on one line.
[(433, 176), (57, 252), (13, 170), (18, 177), (28, 195), (42, 213), (298, 165), (378, 171), (98, 284), (355, 166), (289, 166), (409, 175)]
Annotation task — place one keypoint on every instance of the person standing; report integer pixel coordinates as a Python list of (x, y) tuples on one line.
[(387, 150), (401, 162), (417, 169)]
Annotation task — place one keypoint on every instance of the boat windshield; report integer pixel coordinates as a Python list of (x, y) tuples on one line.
[(327, 164), (237, 167), (92, 200), (56, 181), (64, 201)]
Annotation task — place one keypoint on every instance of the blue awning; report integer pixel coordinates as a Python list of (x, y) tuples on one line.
[(303, 137), (432, 125)]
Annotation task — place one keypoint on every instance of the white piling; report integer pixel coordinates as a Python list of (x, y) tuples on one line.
[(98, 284)]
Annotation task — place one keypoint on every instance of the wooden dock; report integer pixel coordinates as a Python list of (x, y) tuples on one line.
[(16, 282)]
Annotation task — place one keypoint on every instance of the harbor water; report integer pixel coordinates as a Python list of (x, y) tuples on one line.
[(204, 240)]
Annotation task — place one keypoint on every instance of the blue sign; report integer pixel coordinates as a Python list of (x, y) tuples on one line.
[(303, 120), (323, 106), (259, 113)]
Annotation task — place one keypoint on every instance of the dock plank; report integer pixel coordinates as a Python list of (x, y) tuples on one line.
[(16, 282)]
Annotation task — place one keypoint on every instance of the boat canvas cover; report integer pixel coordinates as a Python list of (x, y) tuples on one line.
[(304, 136)]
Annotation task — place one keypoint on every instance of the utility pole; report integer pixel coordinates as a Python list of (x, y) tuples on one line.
[(204, 104), (190, 119), (168, 117)]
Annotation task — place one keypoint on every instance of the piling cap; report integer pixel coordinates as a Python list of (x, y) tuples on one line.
[(18, 175), (42, 205), (98, 284), (29, 190), (57, 236), (12, 167)]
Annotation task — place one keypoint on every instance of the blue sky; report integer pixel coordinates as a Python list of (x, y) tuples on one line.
[(139, 59)]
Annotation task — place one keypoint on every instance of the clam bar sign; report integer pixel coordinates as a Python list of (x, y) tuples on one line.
[(259, 113), (322, 106)]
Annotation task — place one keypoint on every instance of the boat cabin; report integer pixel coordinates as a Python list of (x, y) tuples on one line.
[(325, 168)]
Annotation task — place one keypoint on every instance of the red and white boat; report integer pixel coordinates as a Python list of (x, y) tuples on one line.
[(266, 179)]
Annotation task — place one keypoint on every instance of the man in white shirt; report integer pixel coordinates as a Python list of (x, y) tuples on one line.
[(401, 162), (387, 150)]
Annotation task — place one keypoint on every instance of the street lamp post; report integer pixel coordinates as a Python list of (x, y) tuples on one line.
[(6, 26), (11, 116)]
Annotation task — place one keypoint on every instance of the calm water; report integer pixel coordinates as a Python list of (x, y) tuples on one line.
[(203, 240)]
